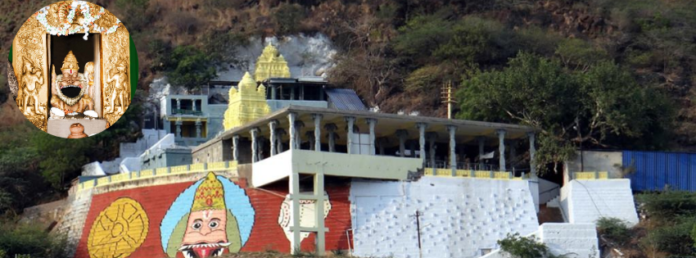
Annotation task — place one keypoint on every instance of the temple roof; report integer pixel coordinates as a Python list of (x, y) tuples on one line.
[(386, 126)]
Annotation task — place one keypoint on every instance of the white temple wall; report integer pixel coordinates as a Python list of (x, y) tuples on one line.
[(460, 217), (569, 240), (585, 201)]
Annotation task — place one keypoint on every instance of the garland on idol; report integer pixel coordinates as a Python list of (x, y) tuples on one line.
[(64, 28)]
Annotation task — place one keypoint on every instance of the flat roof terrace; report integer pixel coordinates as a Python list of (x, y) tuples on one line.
[(323, 129)]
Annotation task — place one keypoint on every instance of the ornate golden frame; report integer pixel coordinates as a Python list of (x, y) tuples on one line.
[(30, 46)]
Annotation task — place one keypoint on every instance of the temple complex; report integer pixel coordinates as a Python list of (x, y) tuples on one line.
[(294, 164)]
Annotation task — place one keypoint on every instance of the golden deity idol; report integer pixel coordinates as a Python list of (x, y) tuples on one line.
[(69, 89)]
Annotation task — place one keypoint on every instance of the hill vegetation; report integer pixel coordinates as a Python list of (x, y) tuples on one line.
[(589, 73)]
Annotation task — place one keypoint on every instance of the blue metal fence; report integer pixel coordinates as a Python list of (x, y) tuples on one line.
[(655, 171)]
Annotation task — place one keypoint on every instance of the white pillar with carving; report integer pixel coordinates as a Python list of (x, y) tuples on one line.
[(421, 140), (371, 122), (235, 148), (350, 121), (453, 148), (532, 155), (317, 131), (291, 133), (402, 134), (254, 133), (501, 149), (272, 134)]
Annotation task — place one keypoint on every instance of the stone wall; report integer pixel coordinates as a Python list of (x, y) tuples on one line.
[(73, 221), (458, 217)]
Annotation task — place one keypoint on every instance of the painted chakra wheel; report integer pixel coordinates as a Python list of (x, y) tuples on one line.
[(118, 230)]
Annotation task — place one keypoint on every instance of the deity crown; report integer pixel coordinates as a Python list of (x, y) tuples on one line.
[(70, 62), (209, 195)]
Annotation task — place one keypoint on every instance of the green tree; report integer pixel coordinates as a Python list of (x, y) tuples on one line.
[(190, 67), (26, 239), (568, 108), (61, 159)]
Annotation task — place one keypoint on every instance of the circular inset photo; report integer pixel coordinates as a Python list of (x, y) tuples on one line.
[(76, 69)]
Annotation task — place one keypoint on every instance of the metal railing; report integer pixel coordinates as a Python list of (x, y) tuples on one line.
[(489, 174), (591, 175), (186, 112), (158, 172)]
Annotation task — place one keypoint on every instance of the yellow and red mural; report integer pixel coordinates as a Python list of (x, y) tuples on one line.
[(213, 216)]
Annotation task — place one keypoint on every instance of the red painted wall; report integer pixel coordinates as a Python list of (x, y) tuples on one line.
[(266, 234)]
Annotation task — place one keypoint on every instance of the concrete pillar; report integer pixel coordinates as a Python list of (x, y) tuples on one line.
[(331, 128), (513, 154), (291, 133), (481, 145), (273, 92), (412, 148), (178, 128), (317, 131), (453, 149), (350, 123), (421, 140), (279, 139), (371, 122), (431, 137), (254, 133), (235, 147), (261, 145), (298, 137), (501, 149), (178, 105), (310, 139), (198, 128), (402, 134), (381, 143), (194, 104), (319, 213), (294, 192), (532, 154), (272, 135)]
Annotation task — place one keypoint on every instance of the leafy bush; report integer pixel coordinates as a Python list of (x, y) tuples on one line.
[(667, 206), (614, 229), (30, 240), (523, 247), (675, 239)]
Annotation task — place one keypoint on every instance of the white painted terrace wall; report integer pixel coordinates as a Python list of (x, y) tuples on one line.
[(460, 216), (585, 201), (570, 240)]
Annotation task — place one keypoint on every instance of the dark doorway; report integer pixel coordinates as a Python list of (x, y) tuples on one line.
[(82, 49)]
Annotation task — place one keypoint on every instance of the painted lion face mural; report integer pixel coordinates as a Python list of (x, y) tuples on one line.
[(206, 231), (201, 223)]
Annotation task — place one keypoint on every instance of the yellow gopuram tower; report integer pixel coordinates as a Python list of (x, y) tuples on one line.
[(271, 64), (246, 104)]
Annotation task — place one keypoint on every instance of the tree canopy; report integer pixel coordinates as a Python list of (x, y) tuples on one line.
[(601, 105)]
